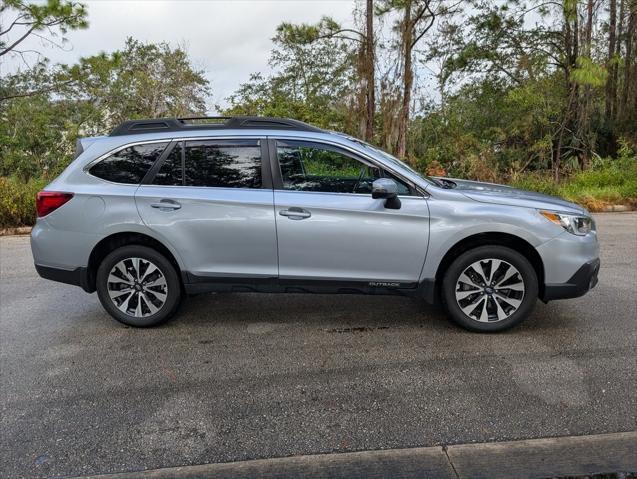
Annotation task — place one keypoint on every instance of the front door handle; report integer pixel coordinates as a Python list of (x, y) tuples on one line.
[(166, 205), (295, 213)]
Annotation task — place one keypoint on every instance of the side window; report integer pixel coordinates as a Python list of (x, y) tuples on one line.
[(171, 171), (128, 165), (223, 163), (309, 166)]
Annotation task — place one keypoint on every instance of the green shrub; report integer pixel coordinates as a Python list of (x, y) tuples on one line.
[(17, 201), (609, 181), (540, 182)]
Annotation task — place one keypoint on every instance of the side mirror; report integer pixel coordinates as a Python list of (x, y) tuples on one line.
[(388, 189)]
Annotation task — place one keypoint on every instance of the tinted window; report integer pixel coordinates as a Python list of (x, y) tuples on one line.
[(314, 167), (228, 163), (170, 173), (128, 165)]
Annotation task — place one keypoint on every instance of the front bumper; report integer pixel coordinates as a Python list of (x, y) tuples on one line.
[(584, 279)]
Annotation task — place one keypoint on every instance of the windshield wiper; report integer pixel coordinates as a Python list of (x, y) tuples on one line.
[(443, 183)]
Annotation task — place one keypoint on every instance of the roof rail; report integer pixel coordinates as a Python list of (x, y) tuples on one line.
[(133, 127)]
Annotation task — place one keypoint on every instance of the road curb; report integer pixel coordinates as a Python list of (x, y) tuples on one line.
[(22, 230), (526, 459)]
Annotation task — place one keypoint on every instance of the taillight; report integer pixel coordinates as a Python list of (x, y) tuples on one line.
[(49, 201)]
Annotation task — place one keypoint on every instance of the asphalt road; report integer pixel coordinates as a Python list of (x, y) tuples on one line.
[(253, 376)]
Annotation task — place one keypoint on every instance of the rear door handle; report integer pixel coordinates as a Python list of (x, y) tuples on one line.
[(295, 213), (166, 205)]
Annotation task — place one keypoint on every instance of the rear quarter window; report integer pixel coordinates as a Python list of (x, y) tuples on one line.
[(129, 165)]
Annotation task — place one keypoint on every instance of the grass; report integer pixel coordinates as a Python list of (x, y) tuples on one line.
[(610, 182)]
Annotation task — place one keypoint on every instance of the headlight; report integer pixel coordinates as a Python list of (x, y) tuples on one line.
[(578, 225)]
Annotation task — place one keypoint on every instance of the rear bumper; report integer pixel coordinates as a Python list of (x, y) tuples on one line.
[(584, 279), (76, 277)]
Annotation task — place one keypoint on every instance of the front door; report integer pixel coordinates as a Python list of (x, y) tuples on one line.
[(330, 228), (212, 201)]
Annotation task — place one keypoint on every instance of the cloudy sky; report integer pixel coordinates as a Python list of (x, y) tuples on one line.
[(229, 39)]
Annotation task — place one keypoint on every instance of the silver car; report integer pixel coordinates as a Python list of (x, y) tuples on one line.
[(165, 208)]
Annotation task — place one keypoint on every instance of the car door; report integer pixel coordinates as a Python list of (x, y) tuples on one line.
[(330, 228), (212, 200)]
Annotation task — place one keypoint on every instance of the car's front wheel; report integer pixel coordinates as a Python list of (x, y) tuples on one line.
[(489, 289), (138, 286)]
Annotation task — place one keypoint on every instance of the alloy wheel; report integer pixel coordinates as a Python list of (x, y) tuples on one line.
[(490, 290), (137, 287)]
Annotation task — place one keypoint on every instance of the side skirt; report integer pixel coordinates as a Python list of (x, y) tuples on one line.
[(194, 284)]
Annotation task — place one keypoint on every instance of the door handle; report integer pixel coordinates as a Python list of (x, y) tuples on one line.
[(295, 213), (166, 205)]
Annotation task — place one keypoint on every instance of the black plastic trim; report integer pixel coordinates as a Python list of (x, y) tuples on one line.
[(76, 277), (155, 125), (584, 279), (266, 161), (195, 284), (277, 180), (152, 171)]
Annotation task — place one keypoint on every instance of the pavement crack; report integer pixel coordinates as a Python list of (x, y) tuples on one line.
[(444, 448)]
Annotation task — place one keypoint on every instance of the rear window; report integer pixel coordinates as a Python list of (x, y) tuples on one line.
[(129, 165), (213, 163), (224, 164)]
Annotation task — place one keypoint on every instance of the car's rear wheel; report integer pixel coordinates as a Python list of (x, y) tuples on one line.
[(138, 286), (490, 289)]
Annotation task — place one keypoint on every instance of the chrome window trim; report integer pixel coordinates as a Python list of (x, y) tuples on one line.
[(92, 163), (366, 195)]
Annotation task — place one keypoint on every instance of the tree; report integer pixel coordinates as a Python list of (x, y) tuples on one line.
[(611, 62), (314, 80), (38, 132), (42, 21), (369, 71), (365, 66), (629, 90), (49, 22), (140, 81), (418, 17)]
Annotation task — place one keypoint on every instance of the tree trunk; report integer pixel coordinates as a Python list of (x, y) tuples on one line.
[(370, 68), (585, 107), (408, 80), (617, 107), (571, 104), (627, 101), (611, 64)]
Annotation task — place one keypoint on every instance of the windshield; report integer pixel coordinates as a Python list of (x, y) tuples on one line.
[(392, 159)]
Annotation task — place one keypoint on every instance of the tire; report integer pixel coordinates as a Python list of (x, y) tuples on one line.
[(510, 292), (119, 287)]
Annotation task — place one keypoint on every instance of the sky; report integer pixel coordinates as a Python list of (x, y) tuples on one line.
[(228, 39)]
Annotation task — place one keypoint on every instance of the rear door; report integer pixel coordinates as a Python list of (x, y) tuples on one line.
[(330, 228), (212, 200)]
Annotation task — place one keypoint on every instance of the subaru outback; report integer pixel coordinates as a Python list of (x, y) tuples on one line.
[(165, 208)]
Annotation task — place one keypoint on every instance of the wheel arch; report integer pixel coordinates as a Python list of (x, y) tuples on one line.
[(509, 240), (117, 240)]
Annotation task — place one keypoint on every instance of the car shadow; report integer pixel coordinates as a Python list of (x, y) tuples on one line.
[(328, 311)]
